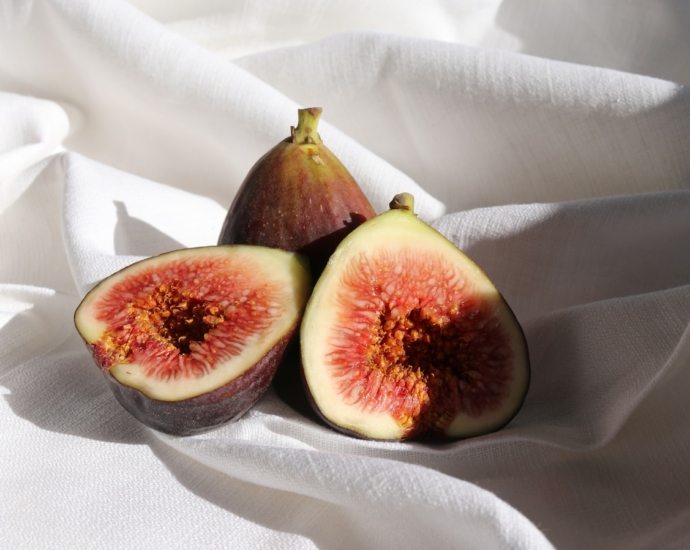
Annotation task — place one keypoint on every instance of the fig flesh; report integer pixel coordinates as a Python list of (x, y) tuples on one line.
[(297, 197), (190, 339), (405, 337)]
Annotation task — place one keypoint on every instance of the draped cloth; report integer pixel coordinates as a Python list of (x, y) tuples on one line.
[(548, 140)]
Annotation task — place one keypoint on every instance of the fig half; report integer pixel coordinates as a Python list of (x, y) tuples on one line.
[(190, 339), (405, 337), (297, 197)]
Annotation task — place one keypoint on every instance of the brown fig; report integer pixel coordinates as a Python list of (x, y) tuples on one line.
[(404, 336), (297, 197), (190, 339)]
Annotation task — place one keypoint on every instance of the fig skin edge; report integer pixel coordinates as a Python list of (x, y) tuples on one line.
[(212, 409), (298, 197), (208, 411), (515, 398)]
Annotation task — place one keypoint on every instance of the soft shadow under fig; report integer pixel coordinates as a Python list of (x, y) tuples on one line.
[(289, 386), (70, 396), (250, 501), (134, 237)]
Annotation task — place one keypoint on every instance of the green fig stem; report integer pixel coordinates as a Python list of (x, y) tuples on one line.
[(402, 201), (307, 122)]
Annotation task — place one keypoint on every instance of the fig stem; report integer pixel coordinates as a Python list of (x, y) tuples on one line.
[(307, 122), (402, 201)]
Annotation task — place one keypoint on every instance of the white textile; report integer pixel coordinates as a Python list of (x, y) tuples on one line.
[(549, 140)]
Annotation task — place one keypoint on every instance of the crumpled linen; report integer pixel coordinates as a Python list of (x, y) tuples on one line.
[(550, 141)]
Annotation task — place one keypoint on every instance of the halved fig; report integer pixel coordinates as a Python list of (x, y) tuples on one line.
[(190, 339), (404, 337)]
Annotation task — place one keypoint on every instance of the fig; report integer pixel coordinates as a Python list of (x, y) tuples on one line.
[(297, 197), (190, 339), (405, 337)]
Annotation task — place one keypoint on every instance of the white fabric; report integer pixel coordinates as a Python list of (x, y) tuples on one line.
[(549, 140)]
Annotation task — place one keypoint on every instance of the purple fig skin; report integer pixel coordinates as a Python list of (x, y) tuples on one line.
[(208, 411), (298, 197)]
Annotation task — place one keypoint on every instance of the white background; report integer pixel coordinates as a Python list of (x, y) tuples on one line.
[(549, 140)]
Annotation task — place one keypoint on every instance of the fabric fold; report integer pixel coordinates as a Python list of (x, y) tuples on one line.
[(542, 142)]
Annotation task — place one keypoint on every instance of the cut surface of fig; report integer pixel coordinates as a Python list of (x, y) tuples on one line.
[(404, 336), (297, 197), (192, 328)]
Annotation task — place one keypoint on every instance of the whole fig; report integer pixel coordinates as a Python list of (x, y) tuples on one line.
[(298, 197)]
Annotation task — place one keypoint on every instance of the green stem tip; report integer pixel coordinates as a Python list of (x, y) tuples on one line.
[(307, 122), (402, 201)]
